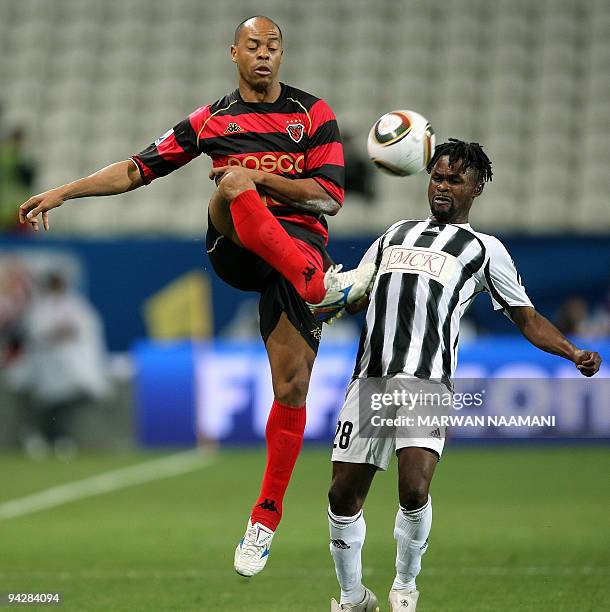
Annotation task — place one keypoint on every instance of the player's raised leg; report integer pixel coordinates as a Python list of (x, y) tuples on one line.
[(348, 490), (260, 232), (413, 522), (291, 360), (249, 223)]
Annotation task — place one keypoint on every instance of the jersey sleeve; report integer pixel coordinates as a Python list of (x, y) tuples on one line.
[(501, 279), (177, 147), (324, 155)]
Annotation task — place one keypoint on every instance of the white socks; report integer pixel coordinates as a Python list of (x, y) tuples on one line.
[(411, 532), (347, 535)]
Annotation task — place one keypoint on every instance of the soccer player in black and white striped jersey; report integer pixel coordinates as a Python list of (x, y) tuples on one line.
[(428, 273)]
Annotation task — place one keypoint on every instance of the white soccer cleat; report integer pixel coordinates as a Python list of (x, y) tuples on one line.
[(403, 600), (343, 288), (368, 604), (252, 551)]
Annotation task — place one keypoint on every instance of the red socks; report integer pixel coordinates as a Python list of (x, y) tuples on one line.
[(261, 233), (284, 434)]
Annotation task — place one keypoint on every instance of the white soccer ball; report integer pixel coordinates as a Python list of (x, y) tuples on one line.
[(401, 143)]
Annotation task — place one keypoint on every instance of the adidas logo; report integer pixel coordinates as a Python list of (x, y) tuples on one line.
[(340, 544), (436, 433), (432, 231)]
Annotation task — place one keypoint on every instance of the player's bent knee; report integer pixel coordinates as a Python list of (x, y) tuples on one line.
[(234, 183)]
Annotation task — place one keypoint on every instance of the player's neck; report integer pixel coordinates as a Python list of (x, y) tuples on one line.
[(460, 219), (270, 95), (456, 220)]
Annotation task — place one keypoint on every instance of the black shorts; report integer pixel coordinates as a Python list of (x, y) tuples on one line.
[(246, 271)]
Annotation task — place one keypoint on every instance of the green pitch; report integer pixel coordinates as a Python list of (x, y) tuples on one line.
[(520, 529)]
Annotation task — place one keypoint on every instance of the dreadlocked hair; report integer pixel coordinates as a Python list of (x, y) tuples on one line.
[(468, 154)]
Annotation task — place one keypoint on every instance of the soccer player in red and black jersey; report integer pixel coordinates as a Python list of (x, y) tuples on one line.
[(278, 163)]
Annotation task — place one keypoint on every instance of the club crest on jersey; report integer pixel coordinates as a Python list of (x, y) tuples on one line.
[(295, 131), (232, 128)]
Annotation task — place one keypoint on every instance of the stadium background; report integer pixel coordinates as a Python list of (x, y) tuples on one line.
[(92, 82)]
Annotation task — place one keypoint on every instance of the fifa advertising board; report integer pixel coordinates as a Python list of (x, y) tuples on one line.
[(504, 390)]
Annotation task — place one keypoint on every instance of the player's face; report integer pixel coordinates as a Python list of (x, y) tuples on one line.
[(451, 191), (258, 53)]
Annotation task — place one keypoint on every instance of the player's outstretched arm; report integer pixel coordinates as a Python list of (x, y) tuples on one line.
[(114, 179), (305, 194), (544, 335)]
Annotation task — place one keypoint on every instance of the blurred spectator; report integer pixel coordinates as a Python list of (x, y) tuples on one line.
[(575, 318), (572, 316), (15, 295), (17, 176), (63, 365), (359, 177)]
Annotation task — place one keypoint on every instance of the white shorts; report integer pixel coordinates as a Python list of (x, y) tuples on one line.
[(356, 443)]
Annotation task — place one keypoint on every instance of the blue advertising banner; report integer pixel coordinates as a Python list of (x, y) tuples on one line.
[(222, 391), (136, 267)]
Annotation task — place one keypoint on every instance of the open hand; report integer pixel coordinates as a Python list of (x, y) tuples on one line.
[(41, 203)]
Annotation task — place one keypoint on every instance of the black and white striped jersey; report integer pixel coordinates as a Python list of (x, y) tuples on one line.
[(427, 275)]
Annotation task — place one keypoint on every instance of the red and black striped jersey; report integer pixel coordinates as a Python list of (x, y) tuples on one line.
[(296, 136)]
